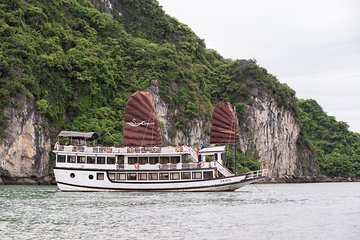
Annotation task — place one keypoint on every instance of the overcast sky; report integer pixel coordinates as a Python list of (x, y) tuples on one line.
[(313, 46)]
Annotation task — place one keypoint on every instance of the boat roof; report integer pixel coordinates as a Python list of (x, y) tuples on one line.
[(82, 135), (212, 149)]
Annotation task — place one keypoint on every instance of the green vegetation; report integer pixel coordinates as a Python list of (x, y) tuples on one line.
[(245, 162), (337, 150), (79, 66)]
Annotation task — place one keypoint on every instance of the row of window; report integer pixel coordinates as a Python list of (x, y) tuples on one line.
[(120, 160), (160, 176), (154, 160), (88, 159)]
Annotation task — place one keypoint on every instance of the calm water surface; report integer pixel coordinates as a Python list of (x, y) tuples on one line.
[(280, 211)]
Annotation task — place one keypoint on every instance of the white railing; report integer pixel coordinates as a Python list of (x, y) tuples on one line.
[(224, 171), (257, 174)]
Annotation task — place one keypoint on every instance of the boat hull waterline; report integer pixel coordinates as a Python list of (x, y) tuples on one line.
[(82, 183)]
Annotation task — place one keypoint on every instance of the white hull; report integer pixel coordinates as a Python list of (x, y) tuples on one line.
[(82, 183)]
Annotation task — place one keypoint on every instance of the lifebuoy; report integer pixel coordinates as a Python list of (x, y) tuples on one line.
[(108, 150), (201, 164), (137, 166)]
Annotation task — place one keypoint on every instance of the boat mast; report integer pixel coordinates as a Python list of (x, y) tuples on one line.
[(235, 140)]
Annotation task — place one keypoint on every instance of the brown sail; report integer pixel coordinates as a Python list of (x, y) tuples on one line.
[(224, 127), (141, 127)]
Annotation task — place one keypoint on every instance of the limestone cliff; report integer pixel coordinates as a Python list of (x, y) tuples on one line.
[(25, 152), (196, 128), (268, 128), (273, 131)]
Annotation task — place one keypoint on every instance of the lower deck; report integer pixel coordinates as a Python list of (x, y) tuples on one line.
[(100, 180)]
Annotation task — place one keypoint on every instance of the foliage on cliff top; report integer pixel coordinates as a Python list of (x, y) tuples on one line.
[(80, 65), (337, 150)]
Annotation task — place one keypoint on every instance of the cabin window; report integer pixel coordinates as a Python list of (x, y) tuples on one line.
[(120, 176), (153, 176), (110, 160), (120, 159), (185, 175), (100, 176), (164, 160), (91, 177), (131, 176), (81, 159), (175, 176), (132, 160), (196, 175), (111, 176), (143, 160), (142, 176), (72, 175), (71, 159), (61, 158), (100, 160), (90, 160), (164, 176), (208, 175), (153, 160), (175, 160)]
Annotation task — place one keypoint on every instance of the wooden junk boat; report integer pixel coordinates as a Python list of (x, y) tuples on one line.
[(80, 167)]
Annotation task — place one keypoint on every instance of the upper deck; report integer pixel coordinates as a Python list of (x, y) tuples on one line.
[(125, 150)]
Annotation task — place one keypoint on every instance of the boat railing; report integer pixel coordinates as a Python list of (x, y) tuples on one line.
[(257, 174), (98, 149)]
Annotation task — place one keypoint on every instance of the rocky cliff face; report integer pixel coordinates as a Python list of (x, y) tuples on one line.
[(196, 127), (266, 127), (273, 132), (25, 152)]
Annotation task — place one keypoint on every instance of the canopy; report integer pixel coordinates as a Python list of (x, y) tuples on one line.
[(79, 135), (224, 127), (141, 127)]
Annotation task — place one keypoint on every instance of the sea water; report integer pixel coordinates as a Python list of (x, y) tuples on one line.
[(265, 211)]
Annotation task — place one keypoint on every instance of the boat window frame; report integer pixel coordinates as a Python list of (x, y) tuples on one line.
[(108, 162), (172, 174), (164, 174), (120, 159), (81, 157), (164, 157), (150, 176), (211, 173), (71, 157), (120, 174), (111, 176), (193, 175), (131, 162), (178, 159), (100, 157), (90, 157), (142, 174), (64, 157), (142, 158), (183, 173), (153, 158), (130, 175), (100, 178)]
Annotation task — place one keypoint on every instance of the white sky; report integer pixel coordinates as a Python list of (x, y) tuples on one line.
[(313, 46)]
